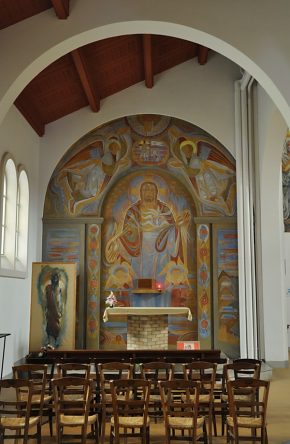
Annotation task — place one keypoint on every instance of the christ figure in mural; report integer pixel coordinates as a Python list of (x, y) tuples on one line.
[(151, 235)]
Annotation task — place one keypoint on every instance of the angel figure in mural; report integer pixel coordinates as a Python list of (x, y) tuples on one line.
[(176, 274), (87, 178), (120, 276), (150, 235), (213, 183)]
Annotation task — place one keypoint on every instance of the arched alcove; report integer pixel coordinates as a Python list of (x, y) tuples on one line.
[(97, 190)]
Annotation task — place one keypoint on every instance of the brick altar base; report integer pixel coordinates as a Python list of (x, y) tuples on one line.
[(147, 332)]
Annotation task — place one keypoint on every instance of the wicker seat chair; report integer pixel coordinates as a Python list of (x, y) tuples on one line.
[(236, 370), (248, 413), (155, 372), (73, 410), (204, 373), (180, 404), (17, 414), (39, 375), (130, 410), (107, 372)]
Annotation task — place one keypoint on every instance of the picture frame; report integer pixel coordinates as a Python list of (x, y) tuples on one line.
[(53, 305)]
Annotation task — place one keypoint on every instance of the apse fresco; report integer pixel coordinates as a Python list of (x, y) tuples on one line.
[(147, 234), (143, 181), (85, 174)]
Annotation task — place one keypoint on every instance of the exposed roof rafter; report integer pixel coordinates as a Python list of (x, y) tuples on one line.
[(61, 8), (148, 65), (202, 54), (86, 81)]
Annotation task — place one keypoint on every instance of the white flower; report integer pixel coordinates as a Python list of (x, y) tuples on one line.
[(111, 299)]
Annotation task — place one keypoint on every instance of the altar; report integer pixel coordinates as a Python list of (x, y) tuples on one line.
[(147, 326)]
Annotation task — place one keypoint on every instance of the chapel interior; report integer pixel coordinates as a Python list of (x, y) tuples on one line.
[(148, 147)]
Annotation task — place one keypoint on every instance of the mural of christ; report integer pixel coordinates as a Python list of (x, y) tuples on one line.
[(151, 235)]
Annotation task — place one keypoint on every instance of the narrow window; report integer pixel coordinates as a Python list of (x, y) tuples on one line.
[(22, 213), (8, 222), (14, 208), (3, 224)]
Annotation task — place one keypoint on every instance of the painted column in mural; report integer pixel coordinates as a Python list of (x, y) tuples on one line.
[(93, 284), (203, 285), (226, 301)]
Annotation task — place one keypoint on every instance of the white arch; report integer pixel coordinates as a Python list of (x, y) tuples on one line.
[(245, 33)]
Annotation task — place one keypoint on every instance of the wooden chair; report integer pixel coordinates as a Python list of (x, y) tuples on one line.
[(73, 369), (217, 393), (72, 409), (130, 410), (180, 403), (17, 415), (38, 374), (107, 372), (204, 373), (79, 370), (155, 372), (247, 413), (237, 370), (258, 362)]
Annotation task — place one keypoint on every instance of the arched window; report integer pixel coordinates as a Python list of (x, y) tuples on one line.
[(14, 219), (3, 221), (22, 212)]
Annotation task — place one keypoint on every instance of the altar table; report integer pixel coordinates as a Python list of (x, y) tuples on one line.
[(147, 326)]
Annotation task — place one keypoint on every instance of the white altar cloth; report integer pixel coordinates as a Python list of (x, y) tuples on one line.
[(147, 311)]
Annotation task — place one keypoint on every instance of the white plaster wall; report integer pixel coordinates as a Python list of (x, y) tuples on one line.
[(17, 138), (271, 134)]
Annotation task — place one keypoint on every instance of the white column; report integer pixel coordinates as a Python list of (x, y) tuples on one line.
[(245, 217), (271, 133), (259, 136)]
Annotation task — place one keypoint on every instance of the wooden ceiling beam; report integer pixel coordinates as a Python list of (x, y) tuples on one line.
[(86, 81), (148, 64), (30, 114), (61, 8), (202, 54)]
